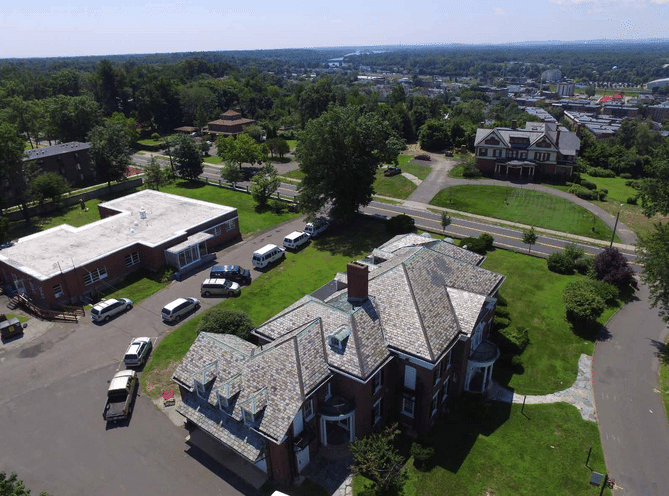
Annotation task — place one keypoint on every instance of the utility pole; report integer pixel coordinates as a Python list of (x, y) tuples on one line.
[(615, 226)]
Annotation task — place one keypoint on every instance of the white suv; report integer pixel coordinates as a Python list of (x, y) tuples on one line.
[(138, 352), (107, 309)]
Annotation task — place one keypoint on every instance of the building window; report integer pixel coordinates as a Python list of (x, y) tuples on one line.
[(437, 374), (132, 259), (409, 377), (41, 293), (483, 152), (376, 412), (217, 231), (377, 381), (199, 389), (434, 407), (328, 391), (95, 275), (222, 403), (477, 338), (249, 417), (444, 390), (308, 410), (230, 225), (408, 406), (58, 291)]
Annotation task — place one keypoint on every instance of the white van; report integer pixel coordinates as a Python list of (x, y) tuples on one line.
[(295, 239), (266, 255), (176, 309), (316, 227)]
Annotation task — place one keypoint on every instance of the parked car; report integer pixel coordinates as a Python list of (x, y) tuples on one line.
[(316, 227), (175, 310), (392, 171), (423, 156), (231, 272), (107, 309), (224, 287), (120, 394), (138, 352)]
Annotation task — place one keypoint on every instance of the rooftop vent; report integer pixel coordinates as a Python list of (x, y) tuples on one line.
[(337, 340), (142, 213)]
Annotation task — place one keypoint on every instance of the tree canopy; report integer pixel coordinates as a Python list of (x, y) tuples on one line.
[(188, 158), (240, 149), (339, 153), (652, 254), (110, 150)]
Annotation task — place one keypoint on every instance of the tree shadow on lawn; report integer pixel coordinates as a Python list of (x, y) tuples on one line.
[(662, 351), (458, 430), (361, 236), (190, 184)]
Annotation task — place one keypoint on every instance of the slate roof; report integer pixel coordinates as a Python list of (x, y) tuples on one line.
[(419, 301), (50, 151), (568, 143)]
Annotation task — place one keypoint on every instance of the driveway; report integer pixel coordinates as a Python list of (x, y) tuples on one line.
[(52, 393), (632, 420)]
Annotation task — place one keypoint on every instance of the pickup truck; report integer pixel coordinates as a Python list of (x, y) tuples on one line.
[(120, 395)]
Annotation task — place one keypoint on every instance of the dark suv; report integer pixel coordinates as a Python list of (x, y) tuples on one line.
[(232, 273)]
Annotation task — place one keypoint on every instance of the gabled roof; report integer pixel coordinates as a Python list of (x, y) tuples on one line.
[(567, 144)]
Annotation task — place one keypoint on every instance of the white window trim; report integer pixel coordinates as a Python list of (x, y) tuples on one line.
[(408, 401), (58, 291), (435, 404), (444, 389), (328, 391), (132, 259), (249, 418), (377, 405), (308, 410), (95, 275), (199, 389), (378, 376), (437, 374)]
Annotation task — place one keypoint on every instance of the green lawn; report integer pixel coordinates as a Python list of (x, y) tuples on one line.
[(299, 274), (526, 206), (294, 174), (394, 186), (250, 221), (292, 144), (213, 159), (663, 379), (138, 286), (534, 296), (497, 450)]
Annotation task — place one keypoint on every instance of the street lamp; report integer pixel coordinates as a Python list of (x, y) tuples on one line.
[(615, 225)]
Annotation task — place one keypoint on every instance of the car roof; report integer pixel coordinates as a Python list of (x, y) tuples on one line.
[(105, 303)]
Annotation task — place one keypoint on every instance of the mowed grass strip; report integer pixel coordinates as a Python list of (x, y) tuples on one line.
[(250, 219), (500, 451), (534, 296), (393, 186), (273, 290), (532, 208)]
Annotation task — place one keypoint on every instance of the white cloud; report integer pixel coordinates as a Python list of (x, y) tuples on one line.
[(500, 11), (660, 1)]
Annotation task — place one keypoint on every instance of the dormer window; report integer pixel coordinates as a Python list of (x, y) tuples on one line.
[(338, 340), (249, 417), (222, 402), (199, 389)]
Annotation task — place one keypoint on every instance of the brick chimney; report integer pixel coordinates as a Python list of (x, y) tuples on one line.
[(358, 283), (514, 123)]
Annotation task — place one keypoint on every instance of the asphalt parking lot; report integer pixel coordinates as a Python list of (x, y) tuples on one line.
[(53, 384)]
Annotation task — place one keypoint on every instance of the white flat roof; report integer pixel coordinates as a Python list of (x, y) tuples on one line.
[(167, 216)]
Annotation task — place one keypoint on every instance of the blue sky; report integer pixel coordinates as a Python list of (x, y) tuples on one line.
[(103, 27)]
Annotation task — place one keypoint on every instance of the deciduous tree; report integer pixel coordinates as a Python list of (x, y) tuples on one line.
[(239, 150), (652, 251), (529, 238), (264, 184), (188, 158), (48, 185), (377, 458), (339, 154), (110, 151)]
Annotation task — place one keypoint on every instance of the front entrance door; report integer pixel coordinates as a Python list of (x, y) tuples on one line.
[(302, 459)]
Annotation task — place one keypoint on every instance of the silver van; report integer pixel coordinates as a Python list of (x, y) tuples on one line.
[(219, 287), (266, 255), (295, 239), (175, 310)]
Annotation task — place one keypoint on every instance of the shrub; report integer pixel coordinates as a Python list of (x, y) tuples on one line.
[(421, 455), (514, 341), (155, 136), (583, 265), (582, 192), (278, 206), (487, 240), (633, 184), (470, 171), (502, 312), (400, 224), (573, 251), (226, 321), (611, 266), (500, 322), (560, 263), (589, 184), (583, 304), (626, 175), (473, 244), (601, 194), (601, 172), (607, 292), (632, 200)]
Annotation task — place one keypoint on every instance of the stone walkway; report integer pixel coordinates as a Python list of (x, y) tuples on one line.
[(579, 394)]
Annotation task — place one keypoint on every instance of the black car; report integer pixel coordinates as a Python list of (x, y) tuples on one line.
[(231, 272), (392, 171)]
